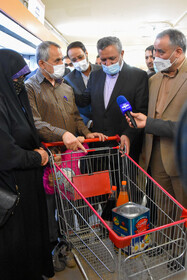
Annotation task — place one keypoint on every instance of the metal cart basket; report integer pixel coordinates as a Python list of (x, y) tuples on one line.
[(82, 184)]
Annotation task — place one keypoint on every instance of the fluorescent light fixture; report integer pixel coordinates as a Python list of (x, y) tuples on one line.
[(10, 42), (16, 37)]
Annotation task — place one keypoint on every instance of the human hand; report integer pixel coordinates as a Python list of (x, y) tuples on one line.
[(139, 118), (81, 139), (125, 144), (43, 154), (71, 142), (101, 136), (50, 179)]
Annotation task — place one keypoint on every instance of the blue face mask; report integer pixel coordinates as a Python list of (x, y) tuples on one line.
[(112, 69)]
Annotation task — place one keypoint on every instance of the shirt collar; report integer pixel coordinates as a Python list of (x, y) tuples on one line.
[(41, 78)]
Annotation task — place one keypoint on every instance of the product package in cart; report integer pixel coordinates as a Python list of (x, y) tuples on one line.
[(129, 219)]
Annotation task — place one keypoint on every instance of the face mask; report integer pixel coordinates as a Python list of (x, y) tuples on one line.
[(81, 65), (161, 64), (71, 68), (58, 71), (112, 69), (19, 85)]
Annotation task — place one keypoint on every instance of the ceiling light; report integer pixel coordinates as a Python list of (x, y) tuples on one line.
[(15, 30)]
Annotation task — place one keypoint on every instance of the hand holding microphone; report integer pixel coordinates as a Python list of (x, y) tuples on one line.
[(126, 108), (139, 118)]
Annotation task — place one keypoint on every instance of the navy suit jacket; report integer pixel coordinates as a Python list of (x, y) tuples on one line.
[(75, 80), (131, 83)]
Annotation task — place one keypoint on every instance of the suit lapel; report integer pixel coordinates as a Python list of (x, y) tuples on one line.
[(79, 81), (179, 81), (154, 86), (100, 92)]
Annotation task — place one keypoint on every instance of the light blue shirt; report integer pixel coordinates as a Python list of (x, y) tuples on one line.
[(85, 78), (109, 86)]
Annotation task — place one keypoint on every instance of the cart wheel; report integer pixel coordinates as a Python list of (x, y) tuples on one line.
[(59, 263), (66, 254)]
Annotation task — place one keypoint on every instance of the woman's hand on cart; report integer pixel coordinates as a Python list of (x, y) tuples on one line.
[(44, 155), (101, 136), (125, 144), (71, 142)]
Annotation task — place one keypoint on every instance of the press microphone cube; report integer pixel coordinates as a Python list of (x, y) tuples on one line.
[(124, 105), (125, 108)]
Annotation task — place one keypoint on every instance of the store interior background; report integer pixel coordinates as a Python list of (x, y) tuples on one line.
[(25, 23), (135, 22)]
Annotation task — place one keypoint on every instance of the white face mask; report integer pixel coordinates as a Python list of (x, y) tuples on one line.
[(58, 71), (71, 68), (161, 64), (81, 65)]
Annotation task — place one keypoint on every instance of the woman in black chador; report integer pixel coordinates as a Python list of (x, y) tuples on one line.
[(24, 241)]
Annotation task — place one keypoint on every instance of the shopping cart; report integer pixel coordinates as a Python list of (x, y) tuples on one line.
[(81, 194)]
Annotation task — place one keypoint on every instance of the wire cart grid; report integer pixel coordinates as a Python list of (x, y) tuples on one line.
[(82, 185)]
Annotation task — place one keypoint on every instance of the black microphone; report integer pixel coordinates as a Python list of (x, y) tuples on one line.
[(125, 108)]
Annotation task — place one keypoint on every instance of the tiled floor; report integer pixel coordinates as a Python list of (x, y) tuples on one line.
[(69, 274), (75, 274)]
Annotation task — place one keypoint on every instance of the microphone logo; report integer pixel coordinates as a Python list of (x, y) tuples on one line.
[(124, 107)]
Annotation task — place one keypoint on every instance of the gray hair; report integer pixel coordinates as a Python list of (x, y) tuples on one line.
[(42, 50), (176, 37), (108, 41)]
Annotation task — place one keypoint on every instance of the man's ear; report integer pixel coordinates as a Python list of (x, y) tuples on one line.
[(179, 51), (41, 64), (122, 53)]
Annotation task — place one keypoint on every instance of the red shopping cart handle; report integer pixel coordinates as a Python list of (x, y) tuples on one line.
[(61, 143)]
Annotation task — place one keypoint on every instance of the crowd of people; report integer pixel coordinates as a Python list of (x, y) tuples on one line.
[(68, 97)]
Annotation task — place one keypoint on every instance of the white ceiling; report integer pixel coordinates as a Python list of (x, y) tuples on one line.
[(135, 22)]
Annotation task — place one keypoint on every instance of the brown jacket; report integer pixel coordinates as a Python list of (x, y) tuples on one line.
[(172, 109), (53, 109)]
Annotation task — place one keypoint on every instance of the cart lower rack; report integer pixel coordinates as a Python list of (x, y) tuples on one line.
[(82, 184)]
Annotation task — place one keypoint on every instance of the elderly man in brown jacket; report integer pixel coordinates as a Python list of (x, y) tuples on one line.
[(55, 113), (52, 101)]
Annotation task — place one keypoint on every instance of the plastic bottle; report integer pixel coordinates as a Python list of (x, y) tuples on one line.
[(123, 194), (110, 204)]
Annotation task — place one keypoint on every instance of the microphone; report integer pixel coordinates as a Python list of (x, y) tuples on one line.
[(125, 108)]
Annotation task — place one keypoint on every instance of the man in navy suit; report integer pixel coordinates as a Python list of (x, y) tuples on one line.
[(105, 85), (79, 77)]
